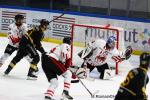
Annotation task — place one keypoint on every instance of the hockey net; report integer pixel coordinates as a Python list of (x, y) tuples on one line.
[(82, 34)]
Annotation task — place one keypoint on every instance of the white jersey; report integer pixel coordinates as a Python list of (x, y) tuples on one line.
[(16, 32), (61, 52), (100, 53)]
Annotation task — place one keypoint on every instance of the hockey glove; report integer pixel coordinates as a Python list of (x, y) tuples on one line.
[(79, 72), (128, 52), (125, 56)]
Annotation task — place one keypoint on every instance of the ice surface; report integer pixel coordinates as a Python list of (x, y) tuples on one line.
[(16, 87)]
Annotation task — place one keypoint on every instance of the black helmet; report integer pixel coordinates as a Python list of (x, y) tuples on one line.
[(144, 60), (44, 22), (67, 40), (19, 17)]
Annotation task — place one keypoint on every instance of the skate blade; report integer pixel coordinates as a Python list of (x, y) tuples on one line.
[(5, 75), (48, 99), (64, 98), (31, 78)]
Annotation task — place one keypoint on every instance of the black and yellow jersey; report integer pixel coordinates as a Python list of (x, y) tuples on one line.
[(36, 35), (135, 82)]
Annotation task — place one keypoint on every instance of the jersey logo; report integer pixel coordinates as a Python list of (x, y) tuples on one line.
[(102, 56)]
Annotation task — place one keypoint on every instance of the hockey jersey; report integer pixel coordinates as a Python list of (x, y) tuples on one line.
[(135, 82), (15, 33), (61, 53), (100, 53), (35, 36)]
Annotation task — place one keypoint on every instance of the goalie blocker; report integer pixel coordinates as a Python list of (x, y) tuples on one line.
[(78, 72)]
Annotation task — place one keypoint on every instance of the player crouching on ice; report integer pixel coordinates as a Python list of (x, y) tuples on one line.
[(96, 54), (134, 87), (56, 63)]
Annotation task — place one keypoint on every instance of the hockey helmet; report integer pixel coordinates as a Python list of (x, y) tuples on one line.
[(44, 22), (145, 60), (111, 42), (67, 40), (19, 17)]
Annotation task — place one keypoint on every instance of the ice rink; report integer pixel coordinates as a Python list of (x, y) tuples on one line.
[(16, 87)]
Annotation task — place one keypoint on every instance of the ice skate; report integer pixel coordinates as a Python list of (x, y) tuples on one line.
[(31, 75), (48, 98), (66, 96), (8, 70)]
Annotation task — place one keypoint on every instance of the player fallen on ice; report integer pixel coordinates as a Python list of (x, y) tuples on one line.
[(29, 44), (15, 32), (96, 55), (134, 86), (56, 63)]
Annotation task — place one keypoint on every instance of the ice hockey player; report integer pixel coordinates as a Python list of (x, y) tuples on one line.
[(15, 33), (29, 44), (56, 63), (97, 52), (134, 86)]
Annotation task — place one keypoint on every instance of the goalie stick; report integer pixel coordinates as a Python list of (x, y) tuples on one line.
[(91, 94)]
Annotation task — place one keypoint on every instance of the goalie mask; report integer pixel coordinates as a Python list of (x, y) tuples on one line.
[(145, 60), (110, 44)]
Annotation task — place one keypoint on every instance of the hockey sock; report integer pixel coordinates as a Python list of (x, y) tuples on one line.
[(10, 67)]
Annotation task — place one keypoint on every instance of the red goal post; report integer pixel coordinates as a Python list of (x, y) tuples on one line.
[(81, 34)]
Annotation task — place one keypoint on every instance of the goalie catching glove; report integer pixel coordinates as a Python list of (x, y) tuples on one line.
[(127, 53), (78, 71)]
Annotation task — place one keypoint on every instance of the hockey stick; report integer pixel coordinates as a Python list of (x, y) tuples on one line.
[(59, 15), (56, 18), (91, 94)]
